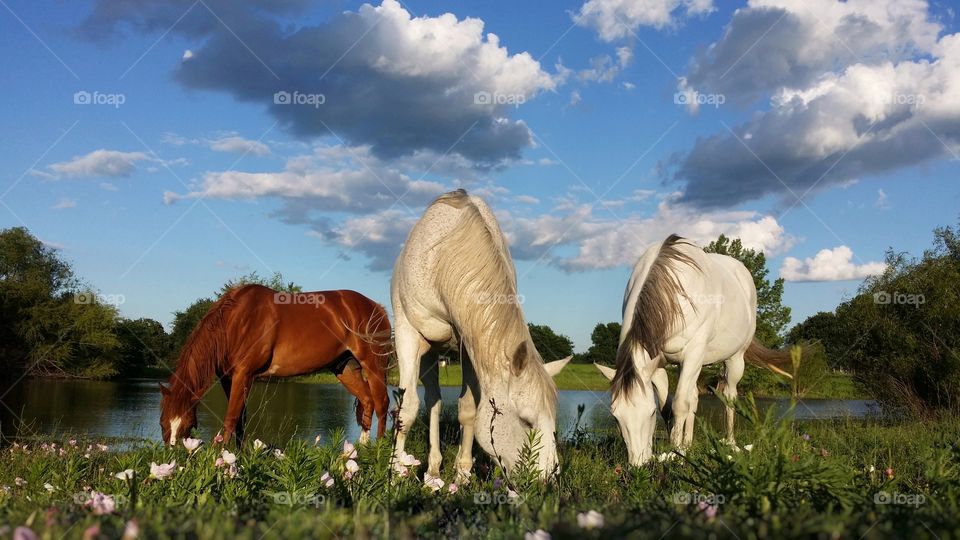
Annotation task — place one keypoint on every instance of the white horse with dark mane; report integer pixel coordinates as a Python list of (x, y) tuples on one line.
[(688, 307), (455, 284)]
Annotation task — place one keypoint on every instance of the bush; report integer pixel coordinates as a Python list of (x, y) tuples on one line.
[(902, 331)]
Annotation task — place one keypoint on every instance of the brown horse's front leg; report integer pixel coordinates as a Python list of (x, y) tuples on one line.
[(236, 405), (352, 379)]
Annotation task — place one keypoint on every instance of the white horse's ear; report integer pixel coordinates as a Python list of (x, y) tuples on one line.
[(553, 368), (606, 371)]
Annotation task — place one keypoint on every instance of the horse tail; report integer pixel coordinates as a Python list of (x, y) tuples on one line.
[(376, 333), (778, 361), (657, 311)]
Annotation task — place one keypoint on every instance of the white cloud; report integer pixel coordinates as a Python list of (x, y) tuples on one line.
[(239, 145), (102, 163), (881, 109), (882, 201), (619, 19), (409, 85), (332, 179), (64, 203), (828, 265)]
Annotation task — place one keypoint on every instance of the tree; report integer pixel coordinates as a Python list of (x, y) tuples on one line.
[(275, 282), (183, 324), (823, 328), (50, 325), (552, 346), (772, 315), (605, 339), (143, 343)]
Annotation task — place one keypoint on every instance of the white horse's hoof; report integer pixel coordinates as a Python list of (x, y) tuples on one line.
[(364, 437)]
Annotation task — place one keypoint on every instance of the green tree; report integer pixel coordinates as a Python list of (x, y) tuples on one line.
[(772, 315), (823, 328), (552, 346), (275, 282), (183, 324), (902, 331), (605, 339), (143, 343), (50, 326)]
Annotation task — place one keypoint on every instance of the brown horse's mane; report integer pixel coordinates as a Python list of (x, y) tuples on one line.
[(203, 355)]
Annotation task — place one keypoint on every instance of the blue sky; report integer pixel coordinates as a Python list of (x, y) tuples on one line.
[(823, 128)]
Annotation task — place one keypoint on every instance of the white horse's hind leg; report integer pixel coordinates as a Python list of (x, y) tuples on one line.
[(410, 346), (734, 372), (430, 377)]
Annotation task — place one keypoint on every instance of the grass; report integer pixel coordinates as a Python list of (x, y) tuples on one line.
[(760, 382), (851, 479)]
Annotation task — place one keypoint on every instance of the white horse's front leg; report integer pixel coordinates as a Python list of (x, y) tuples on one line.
[(410, 346), (430, 377), (686, 399), (467, 416)]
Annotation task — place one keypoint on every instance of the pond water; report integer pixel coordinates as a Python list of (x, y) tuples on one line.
[(277, 411)]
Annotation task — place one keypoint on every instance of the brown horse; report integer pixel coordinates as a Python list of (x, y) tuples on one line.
[(255, 332)]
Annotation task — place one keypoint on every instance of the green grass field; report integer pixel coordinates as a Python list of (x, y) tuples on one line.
[(586, 377), (843, 479)]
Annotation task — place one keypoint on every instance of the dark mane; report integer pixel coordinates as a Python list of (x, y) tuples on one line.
[(204, 353), (656, 313)]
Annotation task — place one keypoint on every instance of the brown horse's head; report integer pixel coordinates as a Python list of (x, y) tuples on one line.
[(178, 415)]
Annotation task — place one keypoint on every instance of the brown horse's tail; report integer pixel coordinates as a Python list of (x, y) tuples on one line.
[(376, 333), (777, 361)]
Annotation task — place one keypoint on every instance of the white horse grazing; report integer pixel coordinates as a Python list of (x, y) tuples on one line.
[(454, 283), (688, 307)]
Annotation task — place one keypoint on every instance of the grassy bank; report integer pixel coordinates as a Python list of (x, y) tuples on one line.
[(830, 479), (586, 377)]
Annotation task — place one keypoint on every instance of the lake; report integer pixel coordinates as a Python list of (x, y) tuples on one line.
[(277, 411)]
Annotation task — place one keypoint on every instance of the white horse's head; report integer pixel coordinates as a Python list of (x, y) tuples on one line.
[(522, 403), (634, 405)]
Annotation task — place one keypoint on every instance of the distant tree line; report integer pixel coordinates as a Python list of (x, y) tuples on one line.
[(52, 324), (900, 335)]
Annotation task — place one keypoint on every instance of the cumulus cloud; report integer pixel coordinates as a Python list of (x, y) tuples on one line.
[(829, 265), (330, 179), (239, 145), (790, 43), (101, 163), (572, 237), (394, 82), (618, 19), (876, 113)]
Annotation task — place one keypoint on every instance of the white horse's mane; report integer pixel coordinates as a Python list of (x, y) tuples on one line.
[(657, 310), (476, 280)]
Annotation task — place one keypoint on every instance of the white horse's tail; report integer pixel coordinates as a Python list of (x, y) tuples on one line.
[(657, 311), (772, 359)]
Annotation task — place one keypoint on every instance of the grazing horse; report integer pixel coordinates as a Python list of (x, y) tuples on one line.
[(255, 332), (455, 284), (688, 307)]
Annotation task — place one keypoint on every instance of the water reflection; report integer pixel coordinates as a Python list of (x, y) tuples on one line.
[(278, 411)]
